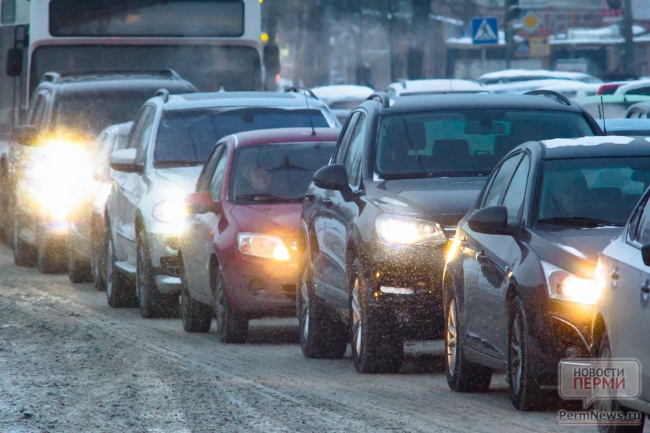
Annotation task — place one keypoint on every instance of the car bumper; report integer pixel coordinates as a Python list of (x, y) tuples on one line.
[(165, 261), (406, 287), (559, 332), (260, 287)]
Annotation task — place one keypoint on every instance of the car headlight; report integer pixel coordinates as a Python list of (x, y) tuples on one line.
[(565, 286), (269, 247), (398, 229), (169, 211)]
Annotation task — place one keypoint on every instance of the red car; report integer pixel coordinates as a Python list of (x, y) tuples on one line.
[(239, 244)]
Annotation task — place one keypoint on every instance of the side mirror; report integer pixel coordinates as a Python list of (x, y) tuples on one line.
[(27, 135), (645, 254), (124, 160), (491, 220), (332, 177), (201, 202), (14, 62)]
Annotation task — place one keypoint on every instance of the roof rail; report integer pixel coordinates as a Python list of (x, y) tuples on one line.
[(300, 89), (164, 93), (550, 93), (381, 97)]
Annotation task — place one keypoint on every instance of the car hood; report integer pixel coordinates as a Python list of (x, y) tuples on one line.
[(183, 177), (573, 249), (444, 199), (275, 219)]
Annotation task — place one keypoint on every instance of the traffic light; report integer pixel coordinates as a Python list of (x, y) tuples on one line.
[(513, 11)]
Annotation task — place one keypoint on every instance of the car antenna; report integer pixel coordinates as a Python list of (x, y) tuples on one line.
[(602, 110), (311, 120)]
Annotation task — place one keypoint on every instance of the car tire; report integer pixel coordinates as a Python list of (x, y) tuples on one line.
[(611, 405), (321, 336), (152, 303), (79, 271), (232, 325), (51, 256), (196, 317), (525, 393), (462, 375), (24, 254), (118, 292), (377, 347)]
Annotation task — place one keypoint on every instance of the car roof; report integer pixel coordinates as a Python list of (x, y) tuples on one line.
[(285, 135), (242, 99), (625, 124), (518, 74), (596, 99), (100, 82), (632, 85), (342, 92), (477, 101), (597, 146)]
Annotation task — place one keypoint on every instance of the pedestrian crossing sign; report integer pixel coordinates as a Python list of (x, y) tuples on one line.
[(485, 31)]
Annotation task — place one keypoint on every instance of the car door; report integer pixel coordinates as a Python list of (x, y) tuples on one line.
[(628, 292), (345, 210), (327, 267), (197, 247), (484, 266), (131, 187)]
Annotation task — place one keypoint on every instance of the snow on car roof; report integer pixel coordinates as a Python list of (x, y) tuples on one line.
[(632, 85), (436, 85), (587, 141), (528, 85), (342, 92), (538, 73)]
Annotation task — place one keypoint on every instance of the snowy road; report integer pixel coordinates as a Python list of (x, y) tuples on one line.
[(69, 363)]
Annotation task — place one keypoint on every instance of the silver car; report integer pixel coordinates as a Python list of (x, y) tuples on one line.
[(86, 226), (171, 138)]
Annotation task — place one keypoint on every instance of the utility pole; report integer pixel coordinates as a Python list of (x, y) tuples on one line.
[(629, 66)]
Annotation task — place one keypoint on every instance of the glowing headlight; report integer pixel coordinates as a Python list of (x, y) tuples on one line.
[(169, 211), (258, 245), (565, 286), (396, 229)]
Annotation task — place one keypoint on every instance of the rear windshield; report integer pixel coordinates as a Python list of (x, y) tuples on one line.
[(466, 143), (581, 191), (188, 136), (276, 173)]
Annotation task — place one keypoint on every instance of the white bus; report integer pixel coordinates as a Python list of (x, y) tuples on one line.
[(214, 44)]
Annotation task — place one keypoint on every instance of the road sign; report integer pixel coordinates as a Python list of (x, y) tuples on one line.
[(522, 48), (485, 31), (531, 21)]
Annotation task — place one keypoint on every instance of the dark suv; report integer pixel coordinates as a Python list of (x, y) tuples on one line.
[(51, 157), (377, 220)]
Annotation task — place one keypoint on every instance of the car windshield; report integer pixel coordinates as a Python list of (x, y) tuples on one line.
[(591, 191), (92, 113), (188, 136), (278, 172), (465, 143)]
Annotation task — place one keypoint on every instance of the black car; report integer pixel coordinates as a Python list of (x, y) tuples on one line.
[(519, 282), (376, 221)]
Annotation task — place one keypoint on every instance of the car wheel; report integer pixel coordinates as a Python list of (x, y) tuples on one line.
[(376, 348), (118, 294), (321, 336), (525, 394), (78, 270), (196, 316), (231, 324), (24, 254), (152, 303), (97, 265), (462, 375), (611, 405), (51, 256)]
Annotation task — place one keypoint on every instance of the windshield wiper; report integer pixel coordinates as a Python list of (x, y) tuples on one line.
[(168, 164), (578, 221), (265, 197)]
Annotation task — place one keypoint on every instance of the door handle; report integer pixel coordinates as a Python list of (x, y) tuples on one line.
[(614, 275), (645, 288)]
